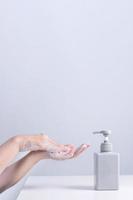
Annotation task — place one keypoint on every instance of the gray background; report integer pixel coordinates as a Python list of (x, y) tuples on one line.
[(66, 69)]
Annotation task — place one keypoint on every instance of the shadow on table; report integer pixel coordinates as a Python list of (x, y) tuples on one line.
[(79, 187), (67, 187)]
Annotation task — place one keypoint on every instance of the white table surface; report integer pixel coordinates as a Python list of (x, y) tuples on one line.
[(72, 188)]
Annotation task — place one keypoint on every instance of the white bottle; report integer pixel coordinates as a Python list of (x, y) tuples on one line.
[(106, 166)]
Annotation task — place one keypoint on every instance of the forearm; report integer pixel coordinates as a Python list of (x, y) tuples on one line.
[(8, 152), (18, 170), (14, 145)]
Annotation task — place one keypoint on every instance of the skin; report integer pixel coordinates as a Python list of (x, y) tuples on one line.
[(40, 147)]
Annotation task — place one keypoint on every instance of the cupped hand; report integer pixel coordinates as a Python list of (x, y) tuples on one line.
[(73, 152)]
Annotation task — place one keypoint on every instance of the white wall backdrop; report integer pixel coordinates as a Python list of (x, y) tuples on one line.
[(66, 69)]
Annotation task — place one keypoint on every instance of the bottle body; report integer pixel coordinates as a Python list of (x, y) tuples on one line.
[(106, 170)]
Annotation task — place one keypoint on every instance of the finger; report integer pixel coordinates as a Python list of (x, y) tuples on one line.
[(81, 149), (58, 148), (72, 148), (52, 144), (60, 155), (73, 152), (70, 145), (78, 153)]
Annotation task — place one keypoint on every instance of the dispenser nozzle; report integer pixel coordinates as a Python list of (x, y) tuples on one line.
[(103, 132), (106, 146)]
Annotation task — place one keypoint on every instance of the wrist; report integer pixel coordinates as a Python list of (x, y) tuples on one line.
[(39, 155), (17, 140)]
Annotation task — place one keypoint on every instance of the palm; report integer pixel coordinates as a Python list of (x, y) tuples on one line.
[(73, 153)]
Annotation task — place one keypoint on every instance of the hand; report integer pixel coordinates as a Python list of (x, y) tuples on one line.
[(40, 142), (62, 155), (80, 150)]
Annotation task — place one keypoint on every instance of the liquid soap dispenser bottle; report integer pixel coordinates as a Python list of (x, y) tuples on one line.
[(106, 165)]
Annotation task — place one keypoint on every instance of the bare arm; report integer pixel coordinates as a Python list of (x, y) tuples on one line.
[(10, 149), (8, 152), (40, 147), (13, 173), (19, 169)]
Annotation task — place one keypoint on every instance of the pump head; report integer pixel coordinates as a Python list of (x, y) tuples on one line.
[(106, 146)]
